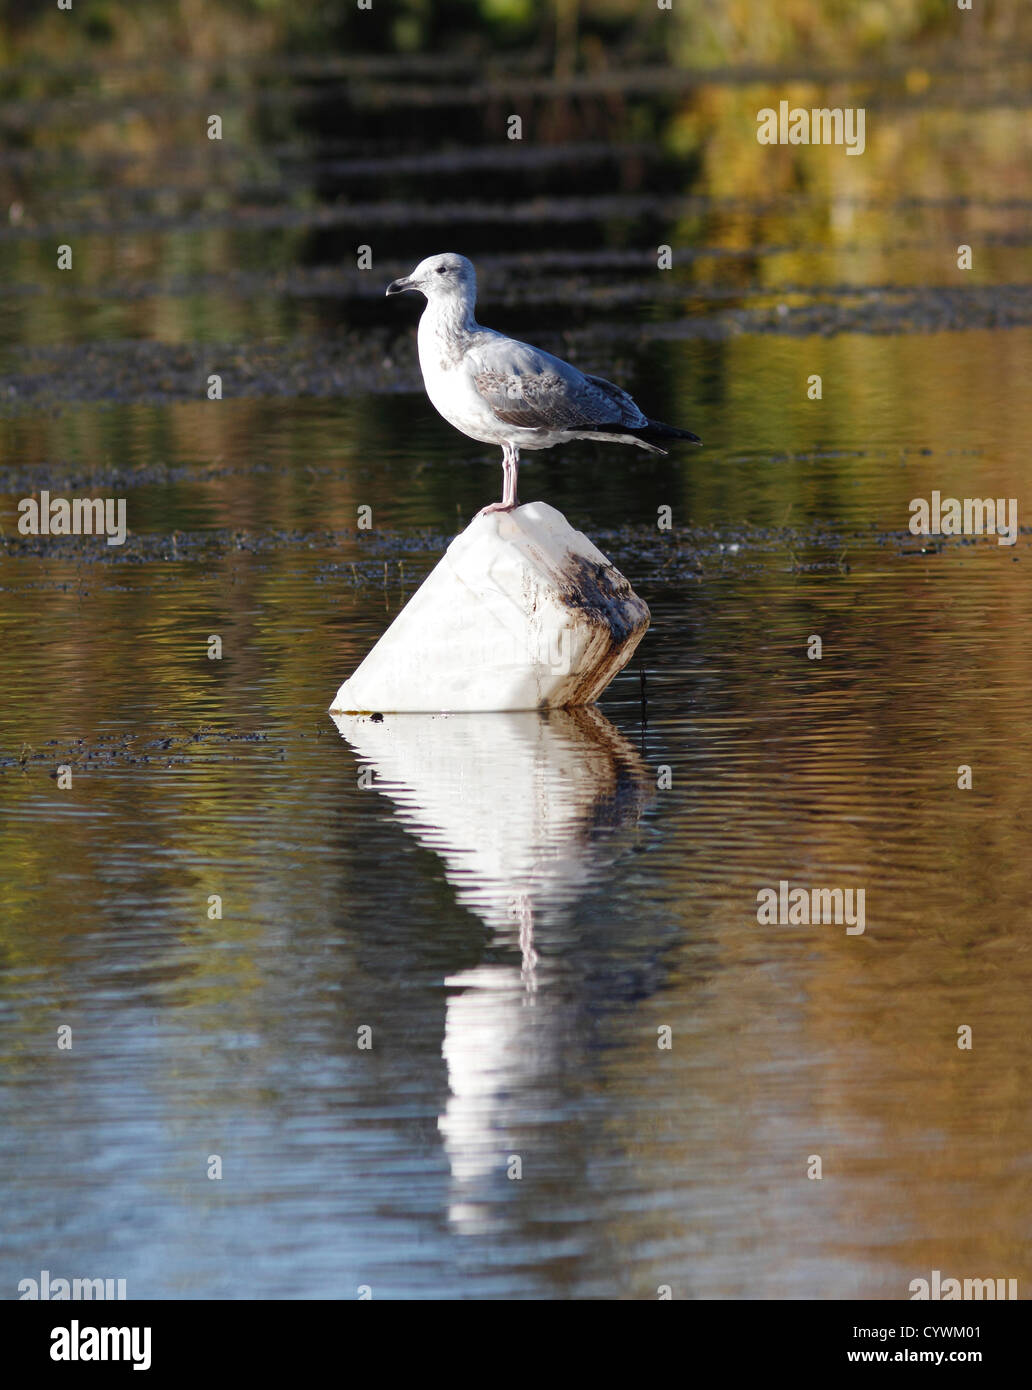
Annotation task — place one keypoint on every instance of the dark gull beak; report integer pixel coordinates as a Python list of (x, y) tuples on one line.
[(400, 286)]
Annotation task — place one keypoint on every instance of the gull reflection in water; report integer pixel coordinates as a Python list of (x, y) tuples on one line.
[(525, 810)]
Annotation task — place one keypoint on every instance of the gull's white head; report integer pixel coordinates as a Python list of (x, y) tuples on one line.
[(444, 277)]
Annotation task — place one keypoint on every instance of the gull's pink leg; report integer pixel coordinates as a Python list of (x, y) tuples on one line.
[(508, 484)]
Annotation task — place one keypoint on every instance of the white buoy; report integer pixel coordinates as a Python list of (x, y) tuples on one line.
[(523, 612)]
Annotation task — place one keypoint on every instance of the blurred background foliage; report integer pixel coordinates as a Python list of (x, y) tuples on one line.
[(580, 33)]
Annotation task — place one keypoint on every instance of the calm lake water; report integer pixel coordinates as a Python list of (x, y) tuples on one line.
[(516, 906)]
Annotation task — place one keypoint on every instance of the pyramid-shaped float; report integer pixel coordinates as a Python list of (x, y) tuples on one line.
[(522, 612)]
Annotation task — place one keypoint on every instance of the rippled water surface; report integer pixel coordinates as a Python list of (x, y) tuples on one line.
[(513, 909)]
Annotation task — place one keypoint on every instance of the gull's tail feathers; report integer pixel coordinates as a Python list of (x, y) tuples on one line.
[(655, 432), (651, 436)]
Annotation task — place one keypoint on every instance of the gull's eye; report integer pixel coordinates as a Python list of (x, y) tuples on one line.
[(442, 270)]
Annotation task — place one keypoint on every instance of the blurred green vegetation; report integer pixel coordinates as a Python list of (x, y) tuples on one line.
[(696, 33)]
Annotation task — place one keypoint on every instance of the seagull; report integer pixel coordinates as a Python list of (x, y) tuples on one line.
[(501, 391)]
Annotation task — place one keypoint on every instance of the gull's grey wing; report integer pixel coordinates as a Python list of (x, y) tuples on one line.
[(531, 389)]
